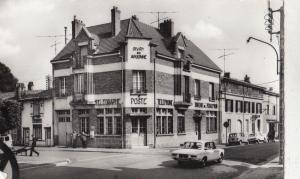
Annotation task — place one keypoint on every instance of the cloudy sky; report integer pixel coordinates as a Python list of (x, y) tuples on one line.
[(211, 24)]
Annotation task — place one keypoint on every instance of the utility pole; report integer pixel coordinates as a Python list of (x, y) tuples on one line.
[(269, 28)]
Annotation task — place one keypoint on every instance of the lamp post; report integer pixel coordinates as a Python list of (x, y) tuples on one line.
[(281, 99)]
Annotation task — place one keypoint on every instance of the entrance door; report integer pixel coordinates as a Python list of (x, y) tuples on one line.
[(48, 136), (64, 131), (139, 132), (26, 136)]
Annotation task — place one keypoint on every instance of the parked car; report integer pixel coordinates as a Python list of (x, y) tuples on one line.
[(7, 139), (237, 138), (256, 138), (198, 151)]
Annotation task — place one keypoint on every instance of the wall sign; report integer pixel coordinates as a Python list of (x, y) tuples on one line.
[(164, 102), (105, 102), (138, 53), (138, 100)]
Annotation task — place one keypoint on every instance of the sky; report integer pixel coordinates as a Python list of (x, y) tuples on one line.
[(210, 24)]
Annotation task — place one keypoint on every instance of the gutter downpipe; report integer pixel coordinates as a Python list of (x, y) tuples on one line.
[(154, 104)]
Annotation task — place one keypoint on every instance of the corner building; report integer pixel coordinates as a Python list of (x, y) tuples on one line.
[(128, 84)]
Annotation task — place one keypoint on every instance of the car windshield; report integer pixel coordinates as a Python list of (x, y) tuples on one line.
[(192, 145)]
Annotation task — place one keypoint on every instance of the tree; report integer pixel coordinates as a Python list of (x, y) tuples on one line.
[(9, 115), (7, 80)]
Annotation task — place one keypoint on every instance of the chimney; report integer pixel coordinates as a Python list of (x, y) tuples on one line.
[(76, 27), (19, 90), (166, 28), (115, 21), (30, 86), (227, 74), (247, 79), (48, 82)]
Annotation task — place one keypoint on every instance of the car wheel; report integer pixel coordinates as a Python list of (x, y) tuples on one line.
[(204, 162), (220, 160)]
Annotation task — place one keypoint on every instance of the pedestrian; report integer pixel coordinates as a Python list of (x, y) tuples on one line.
[(33, 145), (83, 139), (74, 139)]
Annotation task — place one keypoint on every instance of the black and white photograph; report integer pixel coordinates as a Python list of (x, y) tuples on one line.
[(154, 89)]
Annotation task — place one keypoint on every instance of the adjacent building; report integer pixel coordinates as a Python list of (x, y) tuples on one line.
[(246, 107), (36, 117), (129, 84)]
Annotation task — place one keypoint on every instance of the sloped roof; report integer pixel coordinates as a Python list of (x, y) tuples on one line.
[(136, 29), (7, 95), (36, 94)]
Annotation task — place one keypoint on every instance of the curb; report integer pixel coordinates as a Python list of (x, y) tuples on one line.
[(52, 164)]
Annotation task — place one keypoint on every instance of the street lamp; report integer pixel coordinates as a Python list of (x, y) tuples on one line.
[(277, 57), (281, 99)]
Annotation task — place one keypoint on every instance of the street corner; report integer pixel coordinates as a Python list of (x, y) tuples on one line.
[(262, 173)]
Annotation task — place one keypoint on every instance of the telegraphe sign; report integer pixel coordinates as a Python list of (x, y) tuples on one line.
[(106, 102)]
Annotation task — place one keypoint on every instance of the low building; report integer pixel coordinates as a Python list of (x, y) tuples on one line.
[(36, 117), (271, 112), (129, 84), (246, 107)]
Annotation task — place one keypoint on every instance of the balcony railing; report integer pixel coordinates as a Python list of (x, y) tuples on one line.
[(138, 91)]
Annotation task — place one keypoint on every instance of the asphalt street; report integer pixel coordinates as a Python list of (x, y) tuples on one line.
[(125, 165)]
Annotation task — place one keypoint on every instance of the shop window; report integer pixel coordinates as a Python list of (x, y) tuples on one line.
[(100, 111), (164, 121), (100, 125), (134, 125), (118, 125), (84, 125), (181, 124), (109, 129), (211, 122)]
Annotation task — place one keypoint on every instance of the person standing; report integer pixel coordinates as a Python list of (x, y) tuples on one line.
[(33, 145), (84, 139), (74, 139)]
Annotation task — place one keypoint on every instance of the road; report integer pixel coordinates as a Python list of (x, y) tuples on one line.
[(125, 165)]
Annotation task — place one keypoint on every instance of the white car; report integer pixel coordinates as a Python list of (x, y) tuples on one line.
[(7, 139), (256, 138), (198, 151)]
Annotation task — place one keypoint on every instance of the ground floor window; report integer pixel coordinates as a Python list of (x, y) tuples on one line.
[(247, 125), (180, 124), (258, 125), (37, 131), (229, 126), (84, 125), (63, 115), (211, 121), (164, 121), (100, 125), (253, 127), (109, 121)]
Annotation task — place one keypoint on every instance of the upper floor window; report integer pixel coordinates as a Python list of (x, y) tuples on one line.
[(37, 108), (180, 54), (62, 86), (197, 89), (78, 83), (268, 109), (228, 105), (274, 110), (258, 108), (138, 81), (253, 107), (82, 55), (211, 91)]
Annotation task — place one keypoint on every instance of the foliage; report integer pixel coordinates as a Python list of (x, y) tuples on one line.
[(7, 79), (9, 115)]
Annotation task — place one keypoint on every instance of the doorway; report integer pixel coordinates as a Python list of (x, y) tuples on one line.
[(26, 136), (48, 136), (198, 128), (139, 131)]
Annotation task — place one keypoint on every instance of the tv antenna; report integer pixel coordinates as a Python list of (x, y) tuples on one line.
[(158, 13), (55, 38), (225, 54)]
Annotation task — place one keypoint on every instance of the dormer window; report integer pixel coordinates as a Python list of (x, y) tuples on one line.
[(180, 53)]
